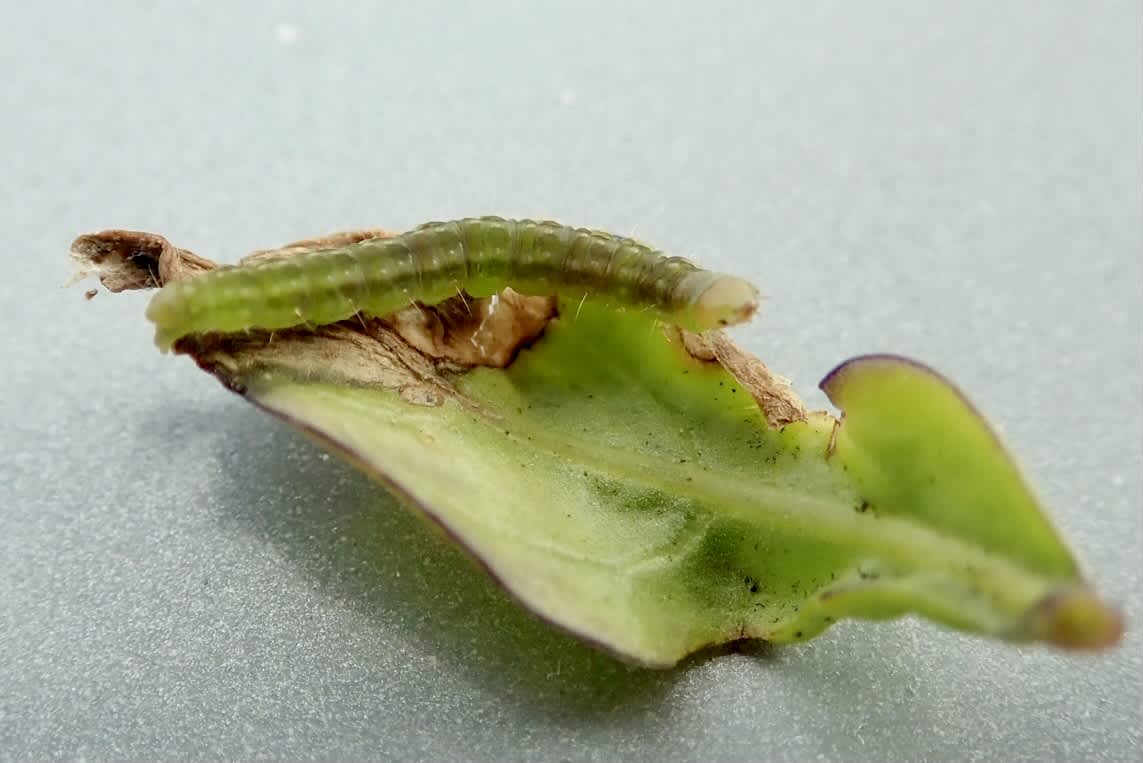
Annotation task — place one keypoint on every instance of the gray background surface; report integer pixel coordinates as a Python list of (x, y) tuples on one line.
[(182, 576)]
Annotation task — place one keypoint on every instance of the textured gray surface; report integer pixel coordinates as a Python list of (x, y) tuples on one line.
[(181, 576)]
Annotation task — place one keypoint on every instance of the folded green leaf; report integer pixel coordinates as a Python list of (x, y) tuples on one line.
[(656, 492)]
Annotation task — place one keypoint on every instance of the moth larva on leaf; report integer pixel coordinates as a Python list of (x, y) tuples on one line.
[(434, 261)]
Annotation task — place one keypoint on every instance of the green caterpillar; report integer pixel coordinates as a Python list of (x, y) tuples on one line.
[(434, 261)]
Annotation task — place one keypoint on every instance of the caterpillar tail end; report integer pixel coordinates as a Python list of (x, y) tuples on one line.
[(164, 341), (158, 313)]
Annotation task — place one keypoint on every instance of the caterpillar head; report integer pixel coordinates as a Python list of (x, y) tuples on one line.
[(725, 302)]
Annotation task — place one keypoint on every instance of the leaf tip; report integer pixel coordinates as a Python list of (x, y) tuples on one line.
[(1075, 619), (835, 382)]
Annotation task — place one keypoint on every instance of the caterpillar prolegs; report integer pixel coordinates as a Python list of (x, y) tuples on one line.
[(434, 261)]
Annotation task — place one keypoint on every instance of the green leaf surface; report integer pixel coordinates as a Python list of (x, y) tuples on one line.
[(636, 496)]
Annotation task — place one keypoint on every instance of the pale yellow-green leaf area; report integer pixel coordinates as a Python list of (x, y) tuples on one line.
[(636, 496)]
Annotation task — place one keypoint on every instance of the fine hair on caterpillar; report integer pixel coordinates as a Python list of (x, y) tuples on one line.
[(480, 256)]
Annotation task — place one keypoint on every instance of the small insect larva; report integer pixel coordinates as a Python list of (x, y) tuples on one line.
[(435, 261)]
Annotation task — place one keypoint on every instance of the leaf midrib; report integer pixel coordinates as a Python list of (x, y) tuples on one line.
[(762, 503)]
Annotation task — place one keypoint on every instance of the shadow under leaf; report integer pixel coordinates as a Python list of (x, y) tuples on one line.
[(365, 549)]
